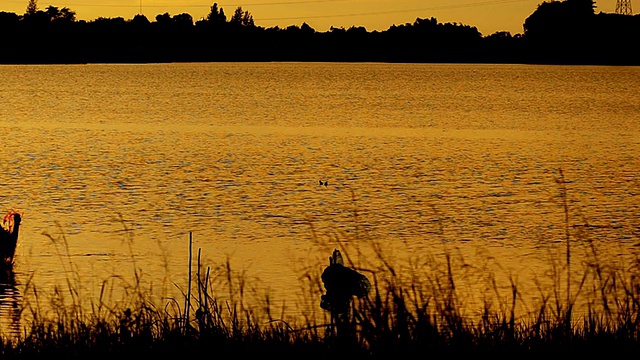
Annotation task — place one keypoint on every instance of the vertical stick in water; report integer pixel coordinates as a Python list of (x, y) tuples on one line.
[(563, 192), (198, 277), (188, 300)]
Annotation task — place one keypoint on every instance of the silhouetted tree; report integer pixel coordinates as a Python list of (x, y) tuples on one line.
[(215, 16), (336, 30), (64, 15), (53, 12), (307, 29), (140, 20), (561, 31), (247, 19), (581, 7), (8, 20), (357, 30), (558, 31), (67, 14), (9, 23), (243, 18), (32, 7), (183, 20), (502, 47), (163, 18), (109, 37), (555, 17)]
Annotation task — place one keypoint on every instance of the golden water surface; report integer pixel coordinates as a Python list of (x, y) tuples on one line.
[(113, 166)]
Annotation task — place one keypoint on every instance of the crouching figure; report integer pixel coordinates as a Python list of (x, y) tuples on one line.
[(341, 284)]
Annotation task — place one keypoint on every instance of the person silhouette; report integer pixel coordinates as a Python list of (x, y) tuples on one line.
[(9, 238), (341, 284)]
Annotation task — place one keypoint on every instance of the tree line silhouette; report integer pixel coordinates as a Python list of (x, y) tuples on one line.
[(557, 32)]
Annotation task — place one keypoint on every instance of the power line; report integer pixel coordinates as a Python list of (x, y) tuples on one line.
[(278, 3), (181, 5), (443, 7), (299, 2)]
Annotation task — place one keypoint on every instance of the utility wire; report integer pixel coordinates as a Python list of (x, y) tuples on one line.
[(297, 2), (400, 11), (278, 3)]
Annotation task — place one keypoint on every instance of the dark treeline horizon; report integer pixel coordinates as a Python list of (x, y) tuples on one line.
[(557, 32)]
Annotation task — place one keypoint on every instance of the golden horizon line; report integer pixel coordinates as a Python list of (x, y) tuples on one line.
[(372, 13)]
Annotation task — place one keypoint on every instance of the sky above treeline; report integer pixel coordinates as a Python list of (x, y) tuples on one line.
[(488, 16)]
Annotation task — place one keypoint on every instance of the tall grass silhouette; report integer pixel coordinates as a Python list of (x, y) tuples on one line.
[(421, 312)]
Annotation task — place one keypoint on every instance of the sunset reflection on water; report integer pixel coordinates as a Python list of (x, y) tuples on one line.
[(124, 161)]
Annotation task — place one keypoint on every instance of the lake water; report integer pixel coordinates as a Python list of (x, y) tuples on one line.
[(114, 166)]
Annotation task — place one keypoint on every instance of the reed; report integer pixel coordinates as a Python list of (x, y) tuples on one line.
[(395, 320), (425, 316)]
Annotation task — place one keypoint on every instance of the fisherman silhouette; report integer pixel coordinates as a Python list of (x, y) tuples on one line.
[(342, 284)]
